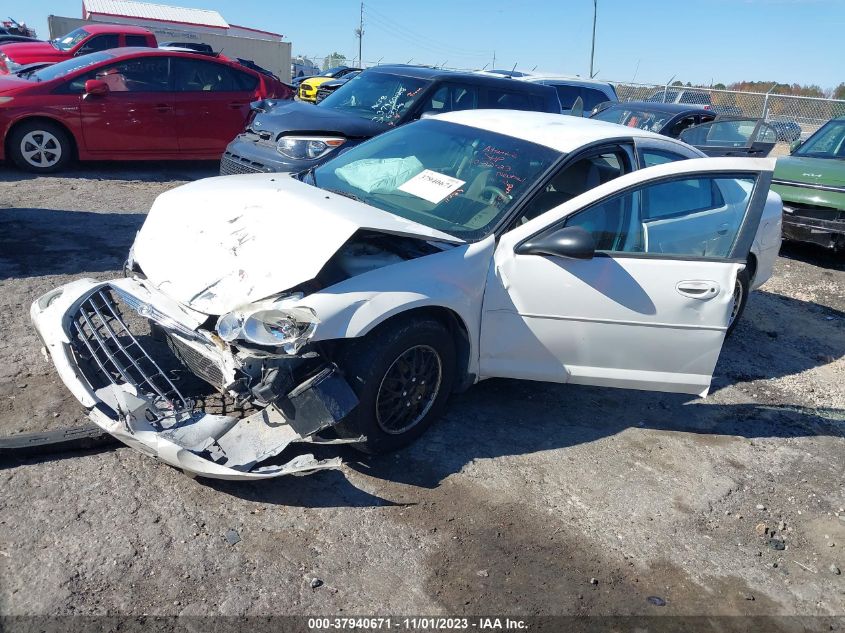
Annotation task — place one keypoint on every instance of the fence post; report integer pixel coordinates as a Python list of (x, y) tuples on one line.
[(666, 88), (766, 102)]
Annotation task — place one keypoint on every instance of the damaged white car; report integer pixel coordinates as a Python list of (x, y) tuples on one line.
[(345, 304)]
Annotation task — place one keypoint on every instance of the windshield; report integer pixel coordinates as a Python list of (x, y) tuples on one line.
[(457, 179), (376, 96), (638, 118), (48, 73), (67, 42), (331, 72), (828, 142)]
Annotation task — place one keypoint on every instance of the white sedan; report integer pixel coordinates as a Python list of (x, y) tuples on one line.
[(345, 304)]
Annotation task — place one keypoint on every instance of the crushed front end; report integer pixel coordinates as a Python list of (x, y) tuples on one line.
[(159, 377)]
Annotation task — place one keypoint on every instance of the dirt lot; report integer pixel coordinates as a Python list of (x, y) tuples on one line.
[(512, 504)]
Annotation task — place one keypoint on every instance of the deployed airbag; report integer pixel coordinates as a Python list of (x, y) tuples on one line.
[(379, 175)]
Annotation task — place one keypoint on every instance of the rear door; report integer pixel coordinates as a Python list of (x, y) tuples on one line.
[(650, 309), (212, 103), (136, 116), (449, 97), (732, 137)]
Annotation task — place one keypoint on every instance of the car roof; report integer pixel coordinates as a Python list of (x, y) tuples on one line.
[(558, 131), (658, 106), (129, 51), (111, 28), (569, 79), (429, 73)]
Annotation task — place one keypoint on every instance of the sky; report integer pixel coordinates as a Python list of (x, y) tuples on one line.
[(788, 41)]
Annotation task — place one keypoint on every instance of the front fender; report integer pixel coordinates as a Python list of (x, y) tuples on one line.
[(453, 279)]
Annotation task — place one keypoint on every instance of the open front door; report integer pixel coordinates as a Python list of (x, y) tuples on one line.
[(732, 137), (649, 310)]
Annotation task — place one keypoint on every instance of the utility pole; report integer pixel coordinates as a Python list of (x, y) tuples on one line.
[(494, 61), (593, 50), (360, 33)]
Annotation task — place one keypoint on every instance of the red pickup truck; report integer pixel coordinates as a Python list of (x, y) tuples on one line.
[(87, 39)]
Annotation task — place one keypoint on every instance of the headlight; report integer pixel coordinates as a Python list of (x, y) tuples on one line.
[(11, 66), (5, 100), (269, 326), (307, 147)]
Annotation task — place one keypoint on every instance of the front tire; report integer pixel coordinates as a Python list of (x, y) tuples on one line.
[(402, 374), (41, 147), (741, 290)]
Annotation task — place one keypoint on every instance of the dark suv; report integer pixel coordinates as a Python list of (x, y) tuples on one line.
[(292, 136)]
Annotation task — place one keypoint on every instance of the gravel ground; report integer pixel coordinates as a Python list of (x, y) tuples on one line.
[(512, 504)]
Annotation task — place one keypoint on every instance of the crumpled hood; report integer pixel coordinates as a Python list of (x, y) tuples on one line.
[(220, 243), (304, 117), (814, 171)]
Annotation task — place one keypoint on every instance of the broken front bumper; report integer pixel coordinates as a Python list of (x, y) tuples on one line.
[(123, 378)]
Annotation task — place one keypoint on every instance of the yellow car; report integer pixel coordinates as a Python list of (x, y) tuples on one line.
[(308, 87)]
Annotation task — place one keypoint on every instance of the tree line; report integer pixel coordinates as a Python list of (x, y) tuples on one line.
[(797, 90)]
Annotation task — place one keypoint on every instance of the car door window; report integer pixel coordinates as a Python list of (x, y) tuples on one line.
[(451, 97), (766, 134), (681, 125), (195, 75), (139, 74), (574, 179), (649, 157), (592, 98), (136, 40), (684, 217), (99, 43), (507, 100), (735, 133), (567, 95)]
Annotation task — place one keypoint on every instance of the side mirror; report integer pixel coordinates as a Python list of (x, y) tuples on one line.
[(795, 145), (96, 87), (571, 242)]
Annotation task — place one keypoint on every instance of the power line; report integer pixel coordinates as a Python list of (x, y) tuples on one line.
[(425, 41), (420, 44)]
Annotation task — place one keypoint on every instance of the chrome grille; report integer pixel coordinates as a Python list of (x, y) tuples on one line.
[(109, 353), (202, 366), (232, 164)]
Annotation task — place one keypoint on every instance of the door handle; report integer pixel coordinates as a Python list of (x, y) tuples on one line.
[(237, 105), (698, 289), (163, 107)]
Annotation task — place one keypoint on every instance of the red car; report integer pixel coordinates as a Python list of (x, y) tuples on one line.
[(82, 41), (127, 104)]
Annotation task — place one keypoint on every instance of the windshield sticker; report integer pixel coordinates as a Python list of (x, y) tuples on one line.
[(387, 107), (430, 185)]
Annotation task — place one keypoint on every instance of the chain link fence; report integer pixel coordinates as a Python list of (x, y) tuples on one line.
[(792, 117)]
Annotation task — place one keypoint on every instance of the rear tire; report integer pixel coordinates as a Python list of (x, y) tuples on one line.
[(741, 290), (402, 374), (40, 147)]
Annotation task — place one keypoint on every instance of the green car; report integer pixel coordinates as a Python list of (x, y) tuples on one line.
[(812, 184)]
